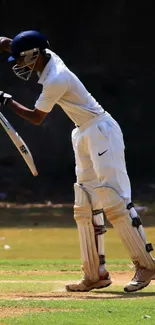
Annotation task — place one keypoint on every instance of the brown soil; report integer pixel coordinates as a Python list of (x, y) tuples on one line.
[(16, 311), (119, 278)]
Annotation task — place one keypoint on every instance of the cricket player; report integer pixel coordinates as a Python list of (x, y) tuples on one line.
[(102, 186)]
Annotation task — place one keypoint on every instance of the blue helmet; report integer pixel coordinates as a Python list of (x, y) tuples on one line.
[(27, 40), (27, 45)]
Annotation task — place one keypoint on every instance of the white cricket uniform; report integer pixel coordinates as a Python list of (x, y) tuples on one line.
[(97, 139)]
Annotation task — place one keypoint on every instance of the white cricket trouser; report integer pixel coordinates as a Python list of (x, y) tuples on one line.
[(99, 155)]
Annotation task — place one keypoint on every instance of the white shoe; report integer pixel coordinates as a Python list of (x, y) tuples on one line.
[(86, 284), (141, 279)]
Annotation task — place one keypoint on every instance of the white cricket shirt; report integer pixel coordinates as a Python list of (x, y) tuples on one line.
[(61, 86)]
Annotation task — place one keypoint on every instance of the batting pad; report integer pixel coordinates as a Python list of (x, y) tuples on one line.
[(118, 215), (83, 217)]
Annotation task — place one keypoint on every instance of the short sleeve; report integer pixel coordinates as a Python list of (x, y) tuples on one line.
[(51, 94)]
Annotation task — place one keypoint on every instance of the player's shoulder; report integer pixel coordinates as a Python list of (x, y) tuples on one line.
[(55, 71), (56, 60)]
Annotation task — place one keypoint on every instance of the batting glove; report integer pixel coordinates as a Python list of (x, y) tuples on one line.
[(4, 97)]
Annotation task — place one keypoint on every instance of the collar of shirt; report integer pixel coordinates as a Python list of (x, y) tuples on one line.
[(46, 71)]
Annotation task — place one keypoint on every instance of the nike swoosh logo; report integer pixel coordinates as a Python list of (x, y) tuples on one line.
[(101, 153)]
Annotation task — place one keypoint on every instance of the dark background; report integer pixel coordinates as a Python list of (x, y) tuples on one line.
[(110, 46)]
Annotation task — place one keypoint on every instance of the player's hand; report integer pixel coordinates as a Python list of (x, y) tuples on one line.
[(4, 97), (5, 44)]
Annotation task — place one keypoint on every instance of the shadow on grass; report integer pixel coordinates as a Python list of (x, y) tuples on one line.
[(83, 296), (125, 295)]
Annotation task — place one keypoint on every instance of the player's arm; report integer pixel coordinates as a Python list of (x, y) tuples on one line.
[(34, 116), (44, 104)]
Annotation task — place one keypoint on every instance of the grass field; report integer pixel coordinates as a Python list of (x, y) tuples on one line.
[(37, 262)]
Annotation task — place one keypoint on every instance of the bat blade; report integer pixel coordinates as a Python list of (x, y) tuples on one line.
[(19, 143)]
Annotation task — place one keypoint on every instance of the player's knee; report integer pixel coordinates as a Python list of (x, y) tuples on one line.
[(114, 206)]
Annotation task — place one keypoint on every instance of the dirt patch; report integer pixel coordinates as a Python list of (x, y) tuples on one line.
[(119, 278), (93, 295), (15, 311)]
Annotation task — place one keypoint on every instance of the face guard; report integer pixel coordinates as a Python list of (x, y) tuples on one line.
[(25, 69)]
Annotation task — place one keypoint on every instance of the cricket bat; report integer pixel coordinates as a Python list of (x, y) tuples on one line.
[(19, 143)]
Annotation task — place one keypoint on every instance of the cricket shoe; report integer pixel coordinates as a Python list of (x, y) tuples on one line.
[(141, 279), (87, 285)]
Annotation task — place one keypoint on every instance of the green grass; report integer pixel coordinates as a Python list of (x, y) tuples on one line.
[(62, 265), (41, 260), (55, 243), (108, 312)]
